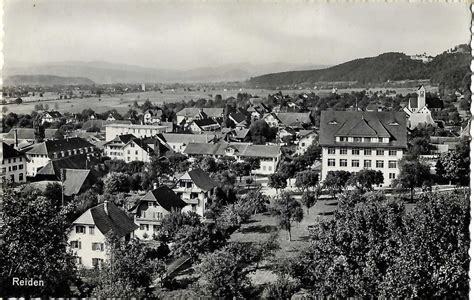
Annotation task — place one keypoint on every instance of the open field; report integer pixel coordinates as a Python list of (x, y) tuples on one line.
[(123, 102)]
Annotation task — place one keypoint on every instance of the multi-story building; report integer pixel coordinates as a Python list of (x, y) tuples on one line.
[(195, 188), (352, 141), (129, 148), (268, 155), (88, 233), (113, 130), (40, 154), (13, 166), (152, 208)]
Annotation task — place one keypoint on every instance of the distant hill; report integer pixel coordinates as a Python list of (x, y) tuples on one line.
[(449, 68), (45, 80), (107, 73)]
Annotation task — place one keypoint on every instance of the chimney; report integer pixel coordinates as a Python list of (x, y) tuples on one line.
[(106, 203), (155, 185)]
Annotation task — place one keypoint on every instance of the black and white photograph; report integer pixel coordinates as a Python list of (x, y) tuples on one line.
[(235, 149)]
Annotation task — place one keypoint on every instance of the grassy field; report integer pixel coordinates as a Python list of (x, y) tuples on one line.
[(123, 102)]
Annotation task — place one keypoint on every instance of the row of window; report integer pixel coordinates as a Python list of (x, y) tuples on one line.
[(13, 168), (72, 152), (12, 159), (359, 139), (12, 177), (82, 229), (355, 163), (95, 246), (357, 151), (147, 227), (155, 215)]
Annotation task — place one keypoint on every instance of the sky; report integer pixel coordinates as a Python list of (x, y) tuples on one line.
[(190, 34)]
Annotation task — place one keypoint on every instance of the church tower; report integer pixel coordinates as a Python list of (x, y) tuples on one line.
[(421, 97)]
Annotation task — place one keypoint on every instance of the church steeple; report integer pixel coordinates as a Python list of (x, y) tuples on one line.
[(421, 97)]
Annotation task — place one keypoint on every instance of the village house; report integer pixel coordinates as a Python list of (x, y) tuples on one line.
[(352, 141), (257, 111), (295, 120), (241, 118), (51, 116), (152, 208), (52, 170), (240, 135), (113, 130), (113, 116), (204, 125), (195, 188), (189, 114), (88, 233), (305, 138), (417, 110), (40, 154), (152, 116), (268, 155), (13, 168), (178, 141)]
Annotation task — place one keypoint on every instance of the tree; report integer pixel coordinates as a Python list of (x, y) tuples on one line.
[(257, 200), (307, 179), (412, 174), (116, 182), (174, 221), (420, 146), (38, 129), (195, 240), (378, 249), (277, 181), (365, 179), (260, 132), (254, 162), (308, 199), (287, 210), (241, 169), (283, 288), (336, 180), (130, 271), (454, 166), (34, 245), (222, 275)]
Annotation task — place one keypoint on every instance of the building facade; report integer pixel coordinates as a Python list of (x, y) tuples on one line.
[(13, 168), (352, 141), (114, 130)]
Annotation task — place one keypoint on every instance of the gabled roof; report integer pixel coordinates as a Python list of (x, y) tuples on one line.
[(165, 197), (102, 123), (121, 139), (74, 179), (186, 138), (201, 179), (28, 133), (155, 112), (49, 147), (53, 114), (242, 133), (294, 119), (7, 151), (107, 216), (205, 122), (53, 167), (190, 112), (243, 149), (377, 124), (238, 117)]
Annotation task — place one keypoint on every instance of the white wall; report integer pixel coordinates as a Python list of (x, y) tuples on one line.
[(8, 166), (86, 253)]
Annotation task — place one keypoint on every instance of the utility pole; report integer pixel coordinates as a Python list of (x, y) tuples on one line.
[(62, 187)]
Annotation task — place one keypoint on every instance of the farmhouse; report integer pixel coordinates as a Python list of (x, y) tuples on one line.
[(51, 116), (352, 141)]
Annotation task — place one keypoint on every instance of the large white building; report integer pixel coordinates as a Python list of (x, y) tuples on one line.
[(178, 141), (129, 148), (114, 130), (268, 155), (39, 155), (352, 141), (13, 166), (88, 233)]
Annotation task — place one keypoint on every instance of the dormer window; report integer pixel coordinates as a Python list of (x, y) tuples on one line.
[(357, 140), (366, 140), (343, 139), (380, 140)]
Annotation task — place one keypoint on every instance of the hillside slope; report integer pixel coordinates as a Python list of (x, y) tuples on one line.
[(46, 80), (450, 69)]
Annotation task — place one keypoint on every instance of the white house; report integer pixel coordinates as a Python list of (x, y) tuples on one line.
[(13, 166), (189, 114), (352, 141), (417, 111), (152, 208), (268, 155), (51, 116), (195, 188), (204, 125), (305, 138), (88, 233), (152, 116), (40, 154), (128, 148)]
